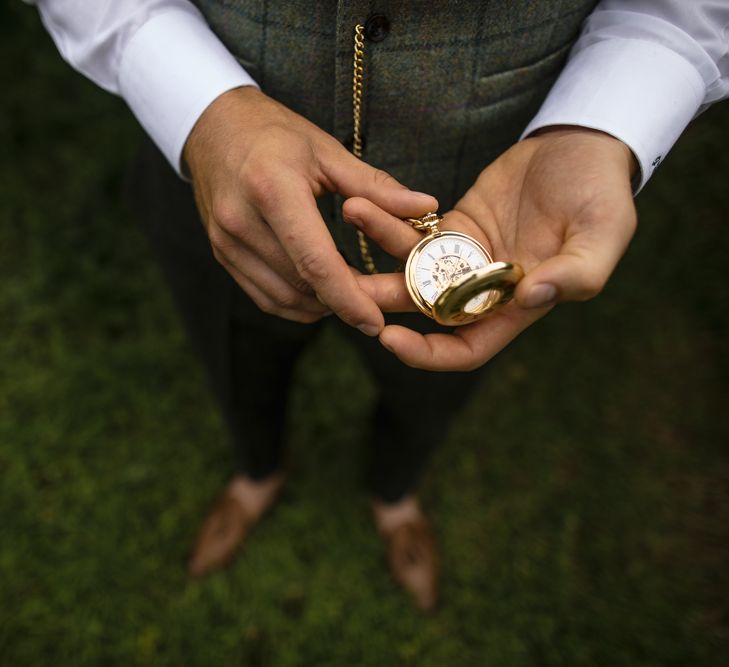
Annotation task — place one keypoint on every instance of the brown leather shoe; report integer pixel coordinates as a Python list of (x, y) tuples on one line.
[(228, 523), (222, 532), (412, 555)]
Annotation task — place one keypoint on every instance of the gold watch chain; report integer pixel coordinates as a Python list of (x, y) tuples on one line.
[(357, 82)]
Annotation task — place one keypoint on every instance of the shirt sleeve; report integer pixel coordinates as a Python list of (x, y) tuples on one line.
[(159, 55), (640, 71)]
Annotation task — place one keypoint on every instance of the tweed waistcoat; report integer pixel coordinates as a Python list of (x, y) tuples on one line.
[(448, 85)]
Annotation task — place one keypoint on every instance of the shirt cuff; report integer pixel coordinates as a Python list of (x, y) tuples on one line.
[(172, 68), (640, 92)]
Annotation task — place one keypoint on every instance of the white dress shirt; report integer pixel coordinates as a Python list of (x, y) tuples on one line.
[(640, 70)]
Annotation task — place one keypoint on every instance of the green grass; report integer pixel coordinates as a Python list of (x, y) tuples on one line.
[(582, 503)]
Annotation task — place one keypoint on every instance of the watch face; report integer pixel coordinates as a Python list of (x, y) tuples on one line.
[(439, 260)]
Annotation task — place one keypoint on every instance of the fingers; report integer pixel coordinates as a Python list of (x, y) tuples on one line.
[(353, 178), (397, 237), (469, 347), (272, 294), (241, 262), (249, 243), (267, 305), (392, 234), (388, 291), (291, 211), (584, 262), (272, 283)]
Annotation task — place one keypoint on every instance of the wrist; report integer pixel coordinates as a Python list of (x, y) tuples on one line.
[(578, 131), (214, 124)]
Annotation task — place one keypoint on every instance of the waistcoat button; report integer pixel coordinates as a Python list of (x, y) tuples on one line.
[(376, 27)]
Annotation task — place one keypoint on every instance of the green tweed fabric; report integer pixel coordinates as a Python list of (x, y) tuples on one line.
[(448, 89)]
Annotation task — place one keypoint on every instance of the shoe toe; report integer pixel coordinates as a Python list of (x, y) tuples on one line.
[(413, 559), (220, 536)]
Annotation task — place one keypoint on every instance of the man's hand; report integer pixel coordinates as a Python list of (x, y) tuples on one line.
[(256, 168), (558, 203)]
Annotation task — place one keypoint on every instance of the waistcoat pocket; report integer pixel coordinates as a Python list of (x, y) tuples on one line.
[(527, 79)]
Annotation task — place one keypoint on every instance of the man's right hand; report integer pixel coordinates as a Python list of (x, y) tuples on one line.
[(256, 169)]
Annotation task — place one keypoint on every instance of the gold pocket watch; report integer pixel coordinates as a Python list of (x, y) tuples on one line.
[(452, 278)]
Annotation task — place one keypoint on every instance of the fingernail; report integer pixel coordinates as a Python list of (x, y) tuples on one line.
[(369, 329), (421, 195), (540, 295), (386, 346)]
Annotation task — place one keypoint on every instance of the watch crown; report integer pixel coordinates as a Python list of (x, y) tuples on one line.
[(428, 222)]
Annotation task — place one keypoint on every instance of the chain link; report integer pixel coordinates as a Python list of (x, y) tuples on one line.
[(357, 82)]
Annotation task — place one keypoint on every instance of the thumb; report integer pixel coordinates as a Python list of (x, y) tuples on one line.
[(352, 177), (581, 268)]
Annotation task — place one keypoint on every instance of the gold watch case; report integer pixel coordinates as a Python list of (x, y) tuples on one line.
[(452, 278)]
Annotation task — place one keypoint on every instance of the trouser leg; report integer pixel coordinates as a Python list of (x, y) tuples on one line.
[(264, 351), (248, 356), (413, 414)]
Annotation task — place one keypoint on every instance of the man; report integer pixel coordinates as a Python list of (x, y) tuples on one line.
[(447, 90)]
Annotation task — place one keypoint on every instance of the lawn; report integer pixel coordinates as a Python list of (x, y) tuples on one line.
[(582, 502)]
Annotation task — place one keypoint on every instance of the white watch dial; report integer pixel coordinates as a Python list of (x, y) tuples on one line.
[(444, 259)]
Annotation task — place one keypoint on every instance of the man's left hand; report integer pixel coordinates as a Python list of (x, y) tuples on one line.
[(559, 203)]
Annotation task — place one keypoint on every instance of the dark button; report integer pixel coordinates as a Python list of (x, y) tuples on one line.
[(376, 27)]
